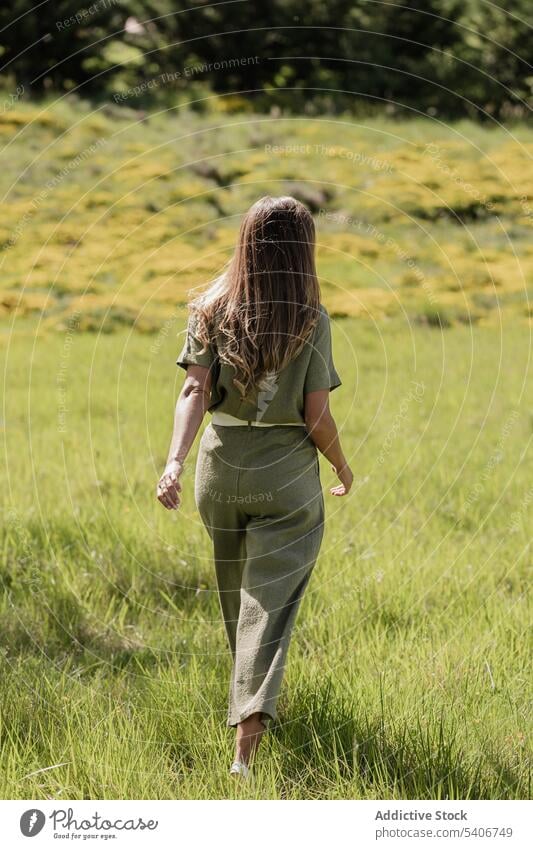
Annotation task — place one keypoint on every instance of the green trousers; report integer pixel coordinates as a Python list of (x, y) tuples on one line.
[(259, 495)]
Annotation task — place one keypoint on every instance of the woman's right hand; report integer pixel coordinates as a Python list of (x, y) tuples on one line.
[(169, 487), (345, 475)]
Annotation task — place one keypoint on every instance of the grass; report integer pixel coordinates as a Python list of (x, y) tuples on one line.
[(408, 673), (111, 215)]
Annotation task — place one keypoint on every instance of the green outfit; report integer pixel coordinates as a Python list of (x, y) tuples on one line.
[(281, 399), (259, 496)]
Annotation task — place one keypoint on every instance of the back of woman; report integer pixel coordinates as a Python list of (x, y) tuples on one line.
[(258, 358)]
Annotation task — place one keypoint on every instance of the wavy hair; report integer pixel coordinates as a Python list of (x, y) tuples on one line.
[(266, 303)]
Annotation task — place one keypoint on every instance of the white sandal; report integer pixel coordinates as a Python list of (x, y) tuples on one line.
[(239, 768)]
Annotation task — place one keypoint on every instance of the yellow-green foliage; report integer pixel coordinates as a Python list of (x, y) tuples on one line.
[(407, 676), (109, 209)]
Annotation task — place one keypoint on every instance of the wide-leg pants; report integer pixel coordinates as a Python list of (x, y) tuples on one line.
[(259, 495)]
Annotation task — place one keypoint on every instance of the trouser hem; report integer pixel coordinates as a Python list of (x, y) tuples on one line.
[(267, 717)]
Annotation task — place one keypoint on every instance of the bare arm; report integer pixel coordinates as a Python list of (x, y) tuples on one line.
[(323, 431), (191, 406)]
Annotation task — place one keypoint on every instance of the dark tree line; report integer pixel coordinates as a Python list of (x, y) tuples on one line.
[(448, 57)]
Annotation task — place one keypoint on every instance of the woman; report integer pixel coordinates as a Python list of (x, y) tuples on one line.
[(258, 357)]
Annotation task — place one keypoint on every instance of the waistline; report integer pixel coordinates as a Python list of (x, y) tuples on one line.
[(226, 420)]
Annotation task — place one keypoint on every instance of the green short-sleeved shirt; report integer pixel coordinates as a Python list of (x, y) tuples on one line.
[(280, 398)]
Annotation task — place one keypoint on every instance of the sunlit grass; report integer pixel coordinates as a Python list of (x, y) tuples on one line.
[(408, 672), (112, 215)]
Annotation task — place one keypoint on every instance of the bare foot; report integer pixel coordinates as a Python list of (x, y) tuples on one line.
[(249, 733)]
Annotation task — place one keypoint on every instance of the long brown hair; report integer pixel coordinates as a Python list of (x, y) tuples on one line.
[(266, 303)]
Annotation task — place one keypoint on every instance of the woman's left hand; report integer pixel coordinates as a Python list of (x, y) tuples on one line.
[(169, 487), (345, 475)]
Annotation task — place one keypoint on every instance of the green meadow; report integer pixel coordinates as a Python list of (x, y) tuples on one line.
[(112, 215), (408, 672), (409, 669)]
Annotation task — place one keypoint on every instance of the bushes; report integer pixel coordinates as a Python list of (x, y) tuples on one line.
[(440, 57)]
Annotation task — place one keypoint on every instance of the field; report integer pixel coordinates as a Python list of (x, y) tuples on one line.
[(110, 216), (408, 673)]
